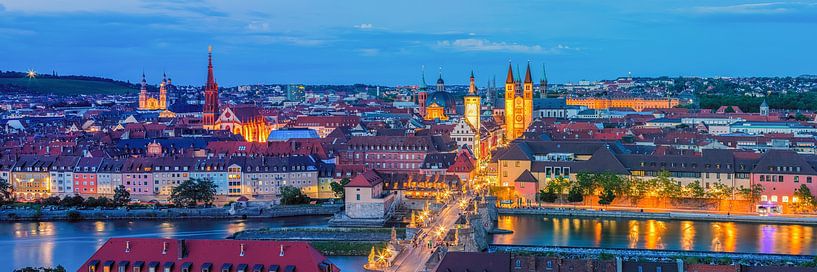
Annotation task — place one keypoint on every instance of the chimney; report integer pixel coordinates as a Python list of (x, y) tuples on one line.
[(242, 251), (164, 248), (182, 248), (127, 246), (282, 251)]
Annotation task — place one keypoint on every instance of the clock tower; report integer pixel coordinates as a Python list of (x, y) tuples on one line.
[(472, 113)]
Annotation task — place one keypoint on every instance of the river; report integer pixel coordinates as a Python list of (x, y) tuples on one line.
[(658, 234), (71, 243)]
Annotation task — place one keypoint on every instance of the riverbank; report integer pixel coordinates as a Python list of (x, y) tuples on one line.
[(654, 254), (661, 215), (319, 233), (14, 215)]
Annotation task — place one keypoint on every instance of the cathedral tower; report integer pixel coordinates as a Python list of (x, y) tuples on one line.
[(518, 105), (422, 93), (528, 98), (143, 93), (163, 93), (543, 83), (472, 113), (210, 108)]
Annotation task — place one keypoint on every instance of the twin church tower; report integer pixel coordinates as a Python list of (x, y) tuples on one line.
[(518, 103), (210, 109)]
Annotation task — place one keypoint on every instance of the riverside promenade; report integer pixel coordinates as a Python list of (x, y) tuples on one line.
[(579, 211)]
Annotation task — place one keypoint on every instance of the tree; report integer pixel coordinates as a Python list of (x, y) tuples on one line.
[(121, 196), (557, 186), (720, 191), (752, 193), (72, 201), (192, 192), (206, 191), (547, 195), (50, 201), (694, 190), (5, 192), (805, 202), (637, 189), (337, 187), (291, 195), (607, 197), (666, 186), (586, 183), (575, 194)]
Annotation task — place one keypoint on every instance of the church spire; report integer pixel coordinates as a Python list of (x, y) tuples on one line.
[(544, 73), (472, 87), (211, 80), (423, 85), (510, 74), (527, 75)]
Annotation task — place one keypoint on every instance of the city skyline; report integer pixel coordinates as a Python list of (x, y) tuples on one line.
[(324, 42)]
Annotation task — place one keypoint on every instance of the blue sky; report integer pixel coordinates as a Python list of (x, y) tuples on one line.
[(386, 42)]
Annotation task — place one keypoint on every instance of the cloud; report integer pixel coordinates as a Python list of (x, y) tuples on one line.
[(484, 45), (755, 8), (283, 39), (258, 26), (364, 26), (2, 8), (369, 52)]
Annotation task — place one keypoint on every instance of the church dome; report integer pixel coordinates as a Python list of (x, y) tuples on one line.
[(443, 99)]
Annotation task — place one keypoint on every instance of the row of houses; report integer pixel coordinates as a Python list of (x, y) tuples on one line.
[(260, 177), (528, 165)]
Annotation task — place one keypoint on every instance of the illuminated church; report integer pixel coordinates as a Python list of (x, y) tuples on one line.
[(148, 102), (438, 105), (518, 105)]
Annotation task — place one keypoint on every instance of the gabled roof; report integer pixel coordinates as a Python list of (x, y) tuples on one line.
[(367, 179), (526, 177)]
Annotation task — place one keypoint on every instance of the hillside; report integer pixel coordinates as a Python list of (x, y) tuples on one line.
[(64, 85)]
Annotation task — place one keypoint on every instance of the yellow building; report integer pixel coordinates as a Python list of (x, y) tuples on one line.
[(636, 103), (147, 102), (438, 105), (472, 112), (30, 178), (518, 105)]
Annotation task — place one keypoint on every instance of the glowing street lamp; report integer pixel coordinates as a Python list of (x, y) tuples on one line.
[(31, 73)]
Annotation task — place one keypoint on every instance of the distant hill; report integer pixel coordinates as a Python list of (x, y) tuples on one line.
[(62, 85)]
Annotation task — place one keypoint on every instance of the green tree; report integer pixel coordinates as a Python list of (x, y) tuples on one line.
[(575, 194), (557, 186), (752, 193), (291, 195), (586, 183), (666, 186), (59, 268), (694, 190), (720, 192), (121, 196), (806, 202), (337, 187), (607, 196), (72, 201), (192, 192), (547, 195), (5, 192), (637, 189)]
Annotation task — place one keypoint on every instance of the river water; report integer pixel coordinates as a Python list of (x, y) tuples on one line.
[(658, 234), (71, 243)]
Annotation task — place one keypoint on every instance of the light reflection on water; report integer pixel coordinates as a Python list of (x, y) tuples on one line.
[(657, 234), (71, 243)]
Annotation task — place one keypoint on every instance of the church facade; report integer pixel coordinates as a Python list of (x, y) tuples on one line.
[(518, 105), (152, 102)]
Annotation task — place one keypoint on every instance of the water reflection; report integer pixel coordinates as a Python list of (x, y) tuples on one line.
[(70, 244), (658, 234)]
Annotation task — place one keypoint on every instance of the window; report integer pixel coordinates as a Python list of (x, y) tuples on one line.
[(518, 264), (358, 197), (785, 199), (808, 179), (658, 269), (796, 179)]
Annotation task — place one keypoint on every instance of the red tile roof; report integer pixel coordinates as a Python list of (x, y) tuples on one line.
[(301, 255)]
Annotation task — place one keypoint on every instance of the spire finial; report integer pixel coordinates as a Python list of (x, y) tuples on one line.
[(210, 49)]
